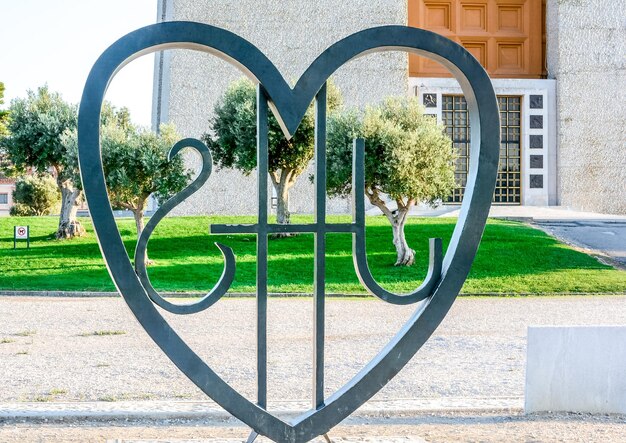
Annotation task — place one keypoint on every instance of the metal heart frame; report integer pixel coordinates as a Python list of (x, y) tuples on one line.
[(289, 106)]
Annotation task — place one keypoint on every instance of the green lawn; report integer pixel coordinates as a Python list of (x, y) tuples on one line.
[(513, 258)]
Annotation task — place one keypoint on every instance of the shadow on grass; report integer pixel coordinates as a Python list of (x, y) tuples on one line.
[(62, 280), (291, 259), (192, 263)]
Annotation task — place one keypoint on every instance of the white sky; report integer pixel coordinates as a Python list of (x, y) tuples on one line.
[(58, 41)]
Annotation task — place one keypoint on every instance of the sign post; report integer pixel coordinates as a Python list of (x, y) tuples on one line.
[(21, 233)]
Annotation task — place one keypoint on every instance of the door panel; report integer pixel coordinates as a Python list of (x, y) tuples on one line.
[(505, 36)]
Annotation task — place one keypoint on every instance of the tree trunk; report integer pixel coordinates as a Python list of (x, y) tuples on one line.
[(283, 216), (69, 226), (139, 224), (282, 185), (138, 214), (405, 256)]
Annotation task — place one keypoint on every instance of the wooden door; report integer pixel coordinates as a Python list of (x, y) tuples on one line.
[(505, 36)]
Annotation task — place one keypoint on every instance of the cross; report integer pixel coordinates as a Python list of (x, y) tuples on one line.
[(318, 228)]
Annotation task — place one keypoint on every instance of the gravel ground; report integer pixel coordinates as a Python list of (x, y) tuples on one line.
[(93, 349), (50, 352)]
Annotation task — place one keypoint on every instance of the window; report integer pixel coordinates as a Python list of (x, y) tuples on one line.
[(456, 120), (4, 199)]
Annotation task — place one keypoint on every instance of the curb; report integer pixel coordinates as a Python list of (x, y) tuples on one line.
[(90, 294), (211, 412)]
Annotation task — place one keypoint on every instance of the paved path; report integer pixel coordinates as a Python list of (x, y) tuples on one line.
[(603, 235), (529, 213), (210, 412), (605, 238)]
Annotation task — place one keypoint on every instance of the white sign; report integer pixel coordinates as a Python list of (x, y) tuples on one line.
[(21, 232)]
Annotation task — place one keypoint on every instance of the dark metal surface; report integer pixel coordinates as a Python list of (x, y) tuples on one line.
[(228, 275), (319, 286), (261, 246), (358, 243), (435, 295)]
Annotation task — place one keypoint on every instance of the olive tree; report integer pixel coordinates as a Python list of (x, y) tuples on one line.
[(4, 114), (135, 163), (35, 142), (232, 140), (407, 158), (136, 166)]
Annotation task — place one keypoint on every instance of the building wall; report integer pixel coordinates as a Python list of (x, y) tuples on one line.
[(6, 187), (585, 147), (587, 57), (292, 34)]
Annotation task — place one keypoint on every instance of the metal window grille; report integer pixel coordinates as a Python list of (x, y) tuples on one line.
[(455, 117)]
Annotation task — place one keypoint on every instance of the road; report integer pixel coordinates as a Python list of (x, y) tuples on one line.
[(604, 238)]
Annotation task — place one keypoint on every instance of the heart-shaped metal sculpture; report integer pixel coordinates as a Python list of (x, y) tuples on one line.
[(445, 277)]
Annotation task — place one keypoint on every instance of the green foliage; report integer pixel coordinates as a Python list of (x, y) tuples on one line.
[(110, 116), (513, 258), (135, 161), (35, 195), (407, 154), (233, 132), (20, 210), (36, 126), (136, 165), (4, 115), (35, 142), (233, 142), (232, 139)]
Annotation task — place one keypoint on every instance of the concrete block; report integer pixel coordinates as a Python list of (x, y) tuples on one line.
[(576, 369)]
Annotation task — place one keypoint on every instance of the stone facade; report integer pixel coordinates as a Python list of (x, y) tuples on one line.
[(581, 159), (587, 57), (292, 34)]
